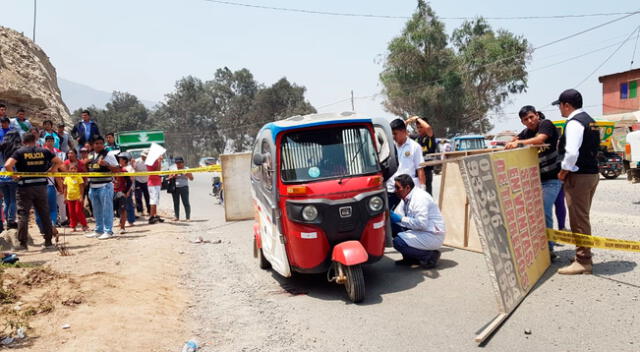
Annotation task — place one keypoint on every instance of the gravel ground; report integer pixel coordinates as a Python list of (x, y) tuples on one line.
[(235, 306)]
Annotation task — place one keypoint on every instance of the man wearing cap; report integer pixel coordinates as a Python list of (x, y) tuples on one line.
[(579, 172), (141, 188)]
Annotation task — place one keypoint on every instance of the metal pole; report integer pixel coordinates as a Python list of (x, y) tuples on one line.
[(35, 7), (352, 104)]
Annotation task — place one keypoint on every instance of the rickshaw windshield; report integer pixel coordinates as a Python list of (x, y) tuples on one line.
[(471, 144), (327, 153)]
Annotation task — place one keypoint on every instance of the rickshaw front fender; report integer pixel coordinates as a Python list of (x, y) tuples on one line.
[(349, 253)]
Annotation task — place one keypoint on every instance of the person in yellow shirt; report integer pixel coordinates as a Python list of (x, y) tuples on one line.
[(74, 198)]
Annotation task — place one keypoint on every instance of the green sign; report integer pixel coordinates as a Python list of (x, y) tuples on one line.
[(127, 139)]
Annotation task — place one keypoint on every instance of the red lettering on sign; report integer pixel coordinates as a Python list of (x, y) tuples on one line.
[(514, 180)]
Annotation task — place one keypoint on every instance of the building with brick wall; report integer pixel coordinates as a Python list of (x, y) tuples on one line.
[(620, 92)]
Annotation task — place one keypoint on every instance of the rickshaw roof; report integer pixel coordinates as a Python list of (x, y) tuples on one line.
[(313, 120)]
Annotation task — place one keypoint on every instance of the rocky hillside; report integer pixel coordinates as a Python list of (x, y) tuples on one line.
[(28, 80)]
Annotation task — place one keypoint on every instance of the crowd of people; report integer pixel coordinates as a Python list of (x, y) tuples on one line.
[(71, 200)]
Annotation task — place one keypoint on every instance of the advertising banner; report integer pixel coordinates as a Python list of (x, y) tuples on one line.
[(505, 196)]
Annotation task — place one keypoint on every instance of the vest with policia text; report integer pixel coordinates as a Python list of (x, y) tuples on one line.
[(587, 162), (93, 166), (32, 159)]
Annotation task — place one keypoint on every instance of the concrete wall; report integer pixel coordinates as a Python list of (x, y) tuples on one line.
[(238, 204), (611, 102)]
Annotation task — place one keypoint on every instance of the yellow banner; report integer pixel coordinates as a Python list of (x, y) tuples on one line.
[(213, 168), (582, 240)]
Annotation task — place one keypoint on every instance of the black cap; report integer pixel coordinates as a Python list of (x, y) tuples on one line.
[(179, 159), (570, 96), (5, 119)]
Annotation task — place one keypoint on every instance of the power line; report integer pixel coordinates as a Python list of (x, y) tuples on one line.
[(347, 14), (633, 56), (575, 57), (609, 57)]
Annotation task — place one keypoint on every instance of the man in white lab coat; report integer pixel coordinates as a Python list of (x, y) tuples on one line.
[(418, 225)]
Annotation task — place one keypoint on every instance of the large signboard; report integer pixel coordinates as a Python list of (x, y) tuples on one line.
[(505, 195)]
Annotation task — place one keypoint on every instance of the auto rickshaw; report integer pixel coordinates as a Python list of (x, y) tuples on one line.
[(318, 185), (469, 142), (610, 163)]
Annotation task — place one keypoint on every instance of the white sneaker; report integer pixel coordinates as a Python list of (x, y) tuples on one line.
[(122, 231), (93, 234), (105, 236)]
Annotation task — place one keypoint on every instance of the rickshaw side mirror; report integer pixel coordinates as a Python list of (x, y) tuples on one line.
[(258, 159)]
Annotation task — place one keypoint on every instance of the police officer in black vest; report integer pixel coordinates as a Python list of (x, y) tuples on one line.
[(427, 140), (579, 144), (32, 191)]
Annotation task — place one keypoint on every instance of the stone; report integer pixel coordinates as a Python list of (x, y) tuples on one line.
[(28, 80)]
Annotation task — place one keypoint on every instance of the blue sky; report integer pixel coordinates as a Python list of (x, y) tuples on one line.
[(144, 46)]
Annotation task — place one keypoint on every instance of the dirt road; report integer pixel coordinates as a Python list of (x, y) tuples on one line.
[(235, 306)]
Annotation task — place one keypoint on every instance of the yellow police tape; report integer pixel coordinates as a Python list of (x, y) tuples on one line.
[(213, 168), (582, 240)]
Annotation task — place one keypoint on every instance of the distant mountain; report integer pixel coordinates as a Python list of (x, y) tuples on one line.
[(77, 95)]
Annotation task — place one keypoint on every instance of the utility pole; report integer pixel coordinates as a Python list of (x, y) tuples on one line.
[(352, 104), (35, 7)]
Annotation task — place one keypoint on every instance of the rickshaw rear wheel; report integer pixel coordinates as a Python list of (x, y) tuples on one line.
[(355, 282), (262, 261), (610, 175)]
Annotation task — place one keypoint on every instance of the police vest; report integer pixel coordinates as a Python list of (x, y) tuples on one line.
[(587, 162), (33, 159), (93, 166)]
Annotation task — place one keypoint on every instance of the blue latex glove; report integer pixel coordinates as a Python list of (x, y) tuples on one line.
[(395, 217)]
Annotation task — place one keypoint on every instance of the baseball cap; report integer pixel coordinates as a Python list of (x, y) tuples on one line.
[(179, 159), (83, 149), (145, 152), (570, 96)]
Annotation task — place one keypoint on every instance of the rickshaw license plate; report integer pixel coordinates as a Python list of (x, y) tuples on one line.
[(345, 212)]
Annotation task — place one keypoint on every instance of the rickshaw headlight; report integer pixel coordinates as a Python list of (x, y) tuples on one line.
[(309, 213), (376, 203)]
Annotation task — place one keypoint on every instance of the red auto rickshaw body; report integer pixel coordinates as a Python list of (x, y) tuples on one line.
[(321, 215)]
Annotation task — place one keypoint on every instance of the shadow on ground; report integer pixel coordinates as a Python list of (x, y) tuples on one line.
[(382, 277)]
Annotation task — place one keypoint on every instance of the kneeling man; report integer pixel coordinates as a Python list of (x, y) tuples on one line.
[(417, 224)]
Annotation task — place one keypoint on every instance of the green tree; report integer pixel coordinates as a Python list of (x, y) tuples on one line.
[(454, 86), (277, 102)]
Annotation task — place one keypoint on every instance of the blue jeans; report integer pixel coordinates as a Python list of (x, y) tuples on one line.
[(550, 190), (52, 200), (9, 190), (102, 202), (131, 210), (409, 252)]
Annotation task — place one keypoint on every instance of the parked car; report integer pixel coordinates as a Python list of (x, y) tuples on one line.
[(207, 161), (502, 138)]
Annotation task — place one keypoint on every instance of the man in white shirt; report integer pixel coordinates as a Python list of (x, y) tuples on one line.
[(409, 159), (417, 224), (579, 144)]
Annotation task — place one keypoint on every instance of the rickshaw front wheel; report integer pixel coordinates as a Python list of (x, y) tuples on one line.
[(354, 283)]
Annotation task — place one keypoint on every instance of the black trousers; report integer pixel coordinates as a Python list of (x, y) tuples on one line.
[(428, 173), (142, 190), (35, 196), (181, 193)]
